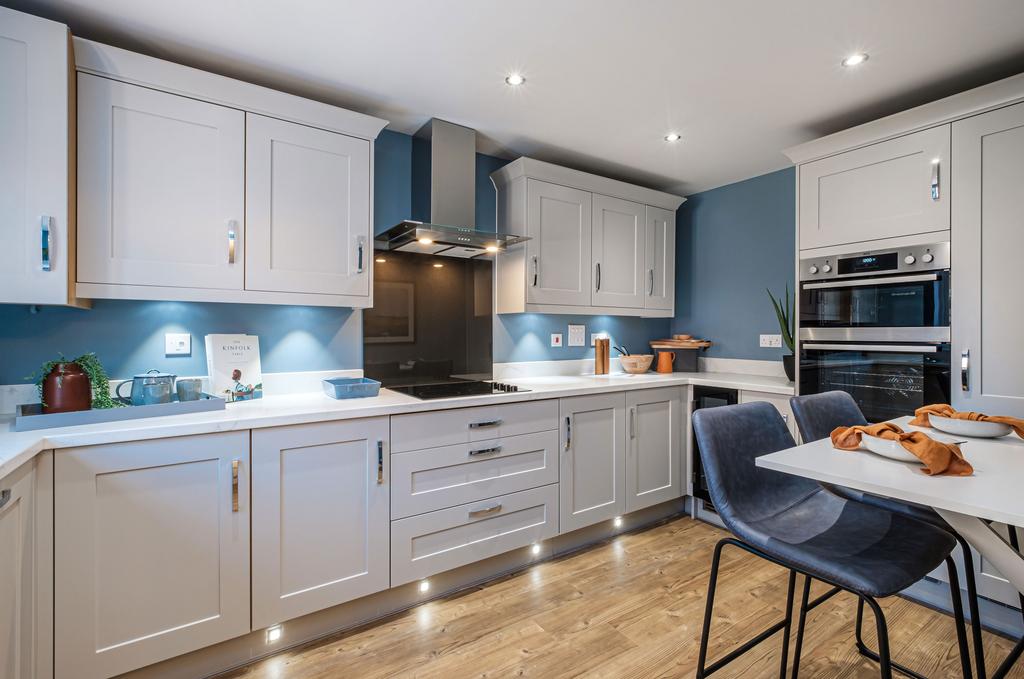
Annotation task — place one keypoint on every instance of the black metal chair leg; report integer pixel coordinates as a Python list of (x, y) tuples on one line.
[(958, 618), (863, 649), (972, 605), (708, 608), (788, 626), (801, 622), (885, 665)]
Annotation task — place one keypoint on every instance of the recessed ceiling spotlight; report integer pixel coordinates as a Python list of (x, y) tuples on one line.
[(672, 137), (514, 79), (855, 59)]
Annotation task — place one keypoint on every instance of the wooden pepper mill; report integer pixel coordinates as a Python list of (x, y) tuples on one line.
[(602, 352)]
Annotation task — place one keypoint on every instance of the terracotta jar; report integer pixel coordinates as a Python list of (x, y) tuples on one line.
[(66, 389)]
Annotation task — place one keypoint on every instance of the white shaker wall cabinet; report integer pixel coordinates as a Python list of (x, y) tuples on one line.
[(320, 512), (988, 237), (37, 214), (597, 245), (592, 484), (307, 198), (653, 450), (161, 188), (151, 551)]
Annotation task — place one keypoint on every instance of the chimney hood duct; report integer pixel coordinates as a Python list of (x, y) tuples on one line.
[(450, 231)]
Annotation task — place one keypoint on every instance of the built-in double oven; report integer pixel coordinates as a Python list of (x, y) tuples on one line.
[(875, 324)]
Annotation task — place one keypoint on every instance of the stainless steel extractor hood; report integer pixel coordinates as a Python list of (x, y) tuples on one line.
[(450, 231)]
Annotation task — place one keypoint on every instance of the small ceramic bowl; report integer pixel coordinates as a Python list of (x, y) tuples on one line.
[(888, 448), (973, 428), (636, 364)]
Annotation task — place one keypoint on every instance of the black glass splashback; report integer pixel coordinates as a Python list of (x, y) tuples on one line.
[(431, 321)]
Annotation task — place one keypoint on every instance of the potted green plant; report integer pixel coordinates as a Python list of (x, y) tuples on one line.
[(70, 385), (785, 311)]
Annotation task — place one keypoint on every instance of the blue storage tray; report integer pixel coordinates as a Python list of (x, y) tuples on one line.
[(351, 387)]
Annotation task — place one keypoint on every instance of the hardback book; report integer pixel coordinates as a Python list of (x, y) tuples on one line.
[(233, 363)]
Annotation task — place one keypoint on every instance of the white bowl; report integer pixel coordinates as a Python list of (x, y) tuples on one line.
[(975, 428), (888, 448)]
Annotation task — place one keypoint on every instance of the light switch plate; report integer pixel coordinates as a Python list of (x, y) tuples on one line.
[(177, 344), (577, 335), (771, 341), (556, 339), (596, 336)]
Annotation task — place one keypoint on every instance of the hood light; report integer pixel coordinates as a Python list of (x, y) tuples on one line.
[(491, 248), (426, 241)]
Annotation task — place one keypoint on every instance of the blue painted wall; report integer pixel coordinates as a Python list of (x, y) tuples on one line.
[(731, 243), (527, 337)]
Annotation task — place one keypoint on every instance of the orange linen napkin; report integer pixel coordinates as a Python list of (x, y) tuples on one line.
[(938, 457), (946, 410)]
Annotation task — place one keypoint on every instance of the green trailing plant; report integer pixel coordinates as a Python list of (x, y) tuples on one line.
[(785, 311), (92, 367)]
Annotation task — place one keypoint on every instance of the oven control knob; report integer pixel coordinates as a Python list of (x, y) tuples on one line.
[(927, 258), (813, 269), (910, 259), (827, 268)]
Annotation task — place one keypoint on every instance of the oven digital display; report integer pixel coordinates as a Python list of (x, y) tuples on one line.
[(890, 261)]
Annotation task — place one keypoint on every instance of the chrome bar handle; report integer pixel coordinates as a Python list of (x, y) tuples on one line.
[(360, 247), (234, 485), (568, 432), (485, 511), (965, 370), (650, 288), (485, 423), (380, 462), (632, 423), (5, 497), (485, 451), (935, 179), (870, 282), (232, 225), (891, 348), (536, 271), (598, 274), (46, 244)]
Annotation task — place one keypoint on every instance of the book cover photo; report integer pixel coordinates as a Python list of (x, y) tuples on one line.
[(233, 363)]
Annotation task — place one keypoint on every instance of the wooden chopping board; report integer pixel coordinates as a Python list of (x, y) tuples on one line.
[(680, 344)]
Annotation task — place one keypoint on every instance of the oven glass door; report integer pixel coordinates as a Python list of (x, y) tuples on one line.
[(886, 381), (914, 301)]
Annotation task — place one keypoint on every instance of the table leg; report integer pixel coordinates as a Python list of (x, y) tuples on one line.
[(993, 546)]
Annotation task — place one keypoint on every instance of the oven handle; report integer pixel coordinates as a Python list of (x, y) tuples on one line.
[(888, 280), (898, 349)]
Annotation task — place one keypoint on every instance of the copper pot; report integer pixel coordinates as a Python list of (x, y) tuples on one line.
[(66, 389)]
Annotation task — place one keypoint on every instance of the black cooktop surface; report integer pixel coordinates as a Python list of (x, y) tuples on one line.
[(459, 388)]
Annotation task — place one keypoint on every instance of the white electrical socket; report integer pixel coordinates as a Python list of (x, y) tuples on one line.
[(577, 335), (596, 336), (177, 344), (771, 341), (556, 339)]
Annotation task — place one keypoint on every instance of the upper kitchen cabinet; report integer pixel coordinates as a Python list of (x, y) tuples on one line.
[(889, 189), (597, 245), (37, 217), (195, 187)]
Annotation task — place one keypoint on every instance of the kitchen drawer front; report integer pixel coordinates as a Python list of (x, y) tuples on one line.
[(448, 538), (466, 425), (427, 480)]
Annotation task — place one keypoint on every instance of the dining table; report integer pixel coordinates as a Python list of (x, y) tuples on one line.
[(970, 504)]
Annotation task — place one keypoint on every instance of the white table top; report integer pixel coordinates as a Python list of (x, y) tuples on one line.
[(994, 492)]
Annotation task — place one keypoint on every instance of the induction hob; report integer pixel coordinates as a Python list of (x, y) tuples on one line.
[(459, 388)]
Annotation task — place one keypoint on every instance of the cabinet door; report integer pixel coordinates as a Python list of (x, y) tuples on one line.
[(895, 188), (653, 453), (986, 275), (660, 259), (592, 483), (558, 222), (34, 160), (152, 551), (619, 252), (161, 186), (17, 574), (307, 208), (320, 516)]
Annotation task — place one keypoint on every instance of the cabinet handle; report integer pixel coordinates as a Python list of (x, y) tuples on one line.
[(234, 485), (568, 433), (632, 423), (650, 287), (598, 275), (5, 497), (380, 462), (485, 423), (935, 179), (485, 451), (360, 247), (231, 241), (965, 370), (46, 242), (485, 511), (536, 270)]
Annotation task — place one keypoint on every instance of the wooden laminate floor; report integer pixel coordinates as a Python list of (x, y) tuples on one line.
[(631, 607)]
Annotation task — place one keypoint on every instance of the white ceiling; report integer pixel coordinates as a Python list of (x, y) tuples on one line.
[(606, 79)]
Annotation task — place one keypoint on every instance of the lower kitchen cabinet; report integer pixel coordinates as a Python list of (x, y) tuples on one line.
[(151, 550), (592, 473), (653, 451), (320, 516), (781, 403)]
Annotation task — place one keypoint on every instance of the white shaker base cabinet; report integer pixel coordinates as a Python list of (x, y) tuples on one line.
[(591, 483), (320, 516), (152, 551), (653, 451)]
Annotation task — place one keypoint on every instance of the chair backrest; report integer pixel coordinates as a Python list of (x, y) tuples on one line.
[(818, 414), (730, 438)]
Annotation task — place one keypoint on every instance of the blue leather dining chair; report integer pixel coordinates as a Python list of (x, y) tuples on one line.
[(795, 523)]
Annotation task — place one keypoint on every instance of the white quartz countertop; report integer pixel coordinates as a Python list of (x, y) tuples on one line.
[(274, 411)]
